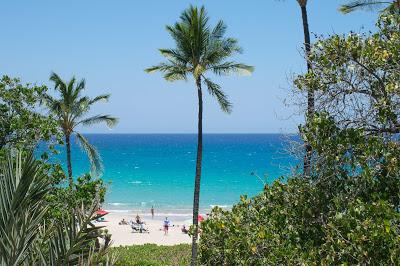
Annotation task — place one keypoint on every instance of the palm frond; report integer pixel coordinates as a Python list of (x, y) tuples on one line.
[(73, 239), (219, 50), (79, 88), (227, 68), (362, 4), (30, 238), (71, 85), (53, 104), (100, 98), (171, 72), (59, 84), (109, 120), (174, 55), (182, 35), (215, 91), (219, 30), (198, 49), (23, 187), (96, 165)]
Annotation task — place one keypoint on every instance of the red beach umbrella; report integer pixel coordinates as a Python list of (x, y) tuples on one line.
[(200, 218), (101, 212)]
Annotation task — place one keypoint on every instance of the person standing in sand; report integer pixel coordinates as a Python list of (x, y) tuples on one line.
[(152, 212), (166, 226)]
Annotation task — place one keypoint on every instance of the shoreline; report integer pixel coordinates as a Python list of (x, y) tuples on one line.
[(123, 235), (161, 211)]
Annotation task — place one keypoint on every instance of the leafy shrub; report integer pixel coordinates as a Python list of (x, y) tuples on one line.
[(346, 211), (286, 225)]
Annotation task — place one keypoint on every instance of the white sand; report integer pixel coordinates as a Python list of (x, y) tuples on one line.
[(122, 235)]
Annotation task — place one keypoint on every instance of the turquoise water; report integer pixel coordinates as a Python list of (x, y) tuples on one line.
[(158, 169)]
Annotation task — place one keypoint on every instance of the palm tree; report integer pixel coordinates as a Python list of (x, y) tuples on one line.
[(367, 4), (70, 109), (200, 50), (310, 91)]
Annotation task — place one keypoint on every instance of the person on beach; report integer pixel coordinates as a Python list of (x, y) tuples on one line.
[(123, 222), (152, 212), (166, 226), (138, 221), (184, 230)]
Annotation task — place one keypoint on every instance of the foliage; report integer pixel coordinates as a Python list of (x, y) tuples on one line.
[(293, 223), (351, 164), (150, 254), (85, 190), (22, 208), (347, 211), (70, 111), (368, 4), (356, 77), (28, 238), (20, 122), (199, 50)]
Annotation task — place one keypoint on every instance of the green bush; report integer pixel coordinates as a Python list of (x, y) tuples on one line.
[(286, 225), (346, 210), (363, 234)]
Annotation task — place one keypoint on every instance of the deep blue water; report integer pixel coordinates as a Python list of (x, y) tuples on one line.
[(158, 169)]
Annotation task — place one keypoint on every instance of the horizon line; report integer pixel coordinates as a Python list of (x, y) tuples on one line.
[(191, 133)]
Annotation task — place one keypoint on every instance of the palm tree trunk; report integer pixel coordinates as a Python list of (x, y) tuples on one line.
[(69, 163), (196, 196), (310, 92)]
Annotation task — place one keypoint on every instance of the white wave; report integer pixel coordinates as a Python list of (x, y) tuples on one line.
[(117, 211), (135, 182), (116, 203), (221, 206)]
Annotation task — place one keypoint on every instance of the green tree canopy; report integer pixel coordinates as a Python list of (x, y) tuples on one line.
[(356, 77), (23, 121)]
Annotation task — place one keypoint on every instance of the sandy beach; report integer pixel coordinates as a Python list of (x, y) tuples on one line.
[(123, 235)]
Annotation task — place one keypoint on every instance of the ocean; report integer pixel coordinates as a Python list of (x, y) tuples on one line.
[(144, 170)]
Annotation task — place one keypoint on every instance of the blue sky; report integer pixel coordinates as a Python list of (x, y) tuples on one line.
[(109, 43)]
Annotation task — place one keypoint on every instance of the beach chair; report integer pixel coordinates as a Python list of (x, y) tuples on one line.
[(135, 227), (138, 228)]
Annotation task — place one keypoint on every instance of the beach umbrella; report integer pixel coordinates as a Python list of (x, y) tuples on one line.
[(101, 212), (190, 221), (200, 218)]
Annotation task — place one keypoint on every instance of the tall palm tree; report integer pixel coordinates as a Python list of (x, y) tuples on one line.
[(71, 109), (310, 91), (367, 4), (200, 50)]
